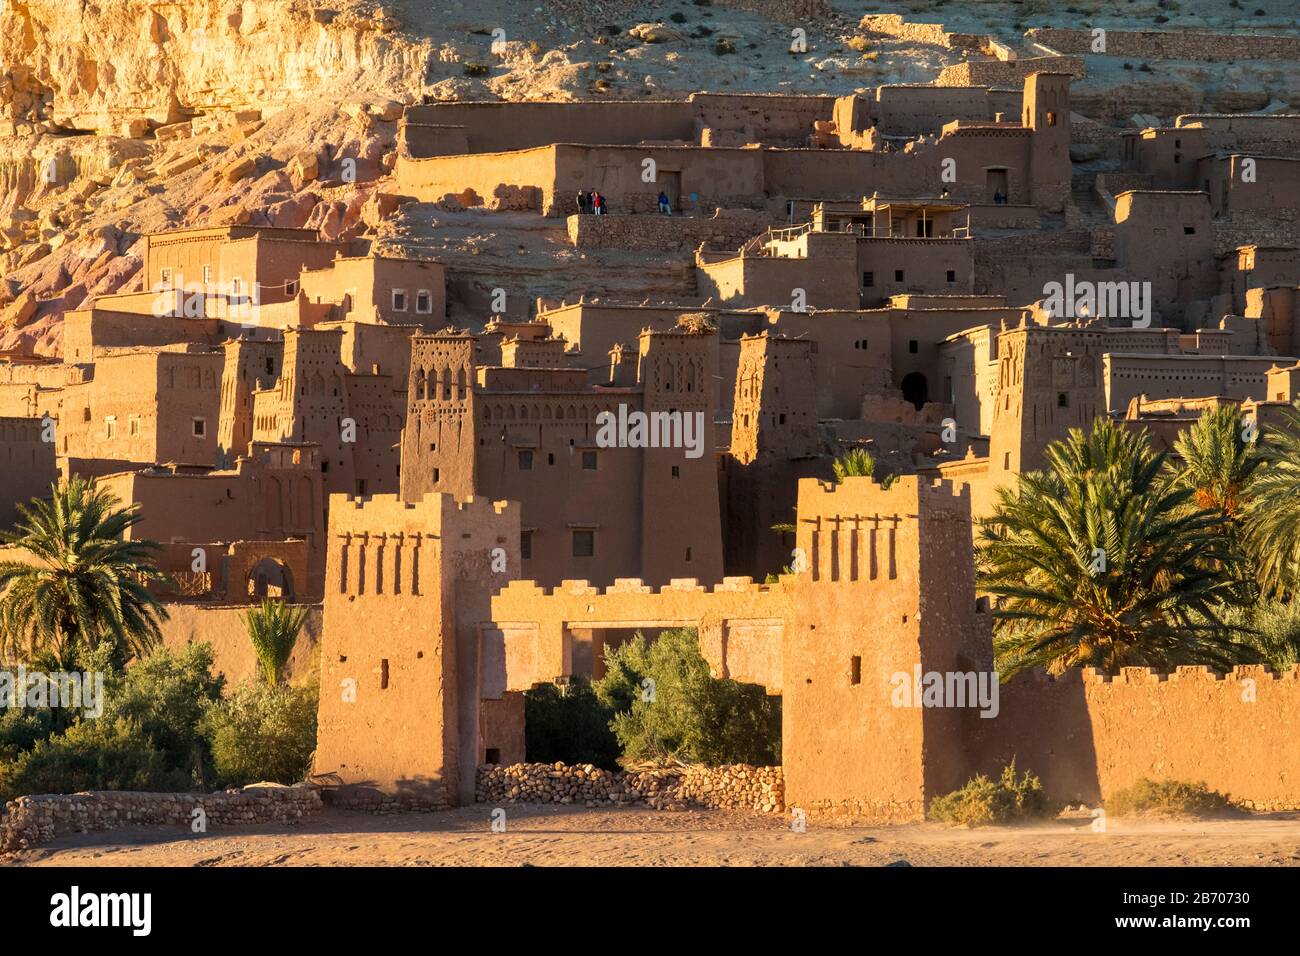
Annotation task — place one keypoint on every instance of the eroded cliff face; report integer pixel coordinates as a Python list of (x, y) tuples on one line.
[(101, 65)]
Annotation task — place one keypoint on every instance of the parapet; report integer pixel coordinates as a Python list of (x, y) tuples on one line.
[(391, 514)]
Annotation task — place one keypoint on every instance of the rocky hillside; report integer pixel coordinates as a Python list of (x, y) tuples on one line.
[(119, 117)]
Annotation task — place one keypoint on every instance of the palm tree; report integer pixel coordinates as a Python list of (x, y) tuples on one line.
[(1272, 515), (83, 586), (1100, 562), (1218, 461), (273, 629), (855, 463)]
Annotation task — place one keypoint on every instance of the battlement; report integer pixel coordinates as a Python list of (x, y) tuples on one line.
[(1185, 674), (522, 589), (434, 512)]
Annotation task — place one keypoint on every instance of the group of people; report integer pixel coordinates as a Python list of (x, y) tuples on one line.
[(591, 203)]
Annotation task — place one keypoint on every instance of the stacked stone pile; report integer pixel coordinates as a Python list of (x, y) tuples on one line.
[(734, 787), (29, 821)]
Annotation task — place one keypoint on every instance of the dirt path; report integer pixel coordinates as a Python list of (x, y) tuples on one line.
[(556, 836)]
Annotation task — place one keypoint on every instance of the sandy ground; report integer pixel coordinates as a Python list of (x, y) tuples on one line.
[(562, 836)]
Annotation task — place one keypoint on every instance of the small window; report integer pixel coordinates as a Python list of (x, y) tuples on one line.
[(235, 285), (423, 302), (525, 461), (110, 426), (492, 755), (85, 414), (913, 346), (1051, 119), (199, 426), (291, 287), (677, 471), (550, 457), (383, 674), (1062, 400), (133, 426), (588, 461), (437, 475), (952, 275), (855, 669), (868, 280), (166, 275), (584, 544), (270, 366), (898, 275), (526, 545), (207, 274), (1189, 230), (399, 300), (361, 487)]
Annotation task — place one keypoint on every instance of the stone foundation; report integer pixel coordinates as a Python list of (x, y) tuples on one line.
[(30, 821), (734, 787), (656, 232)]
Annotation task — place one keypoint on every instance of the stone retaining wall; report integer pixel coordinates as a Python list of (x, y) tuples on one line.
[(30, 821), (735, 787), (655, 232), (1007, 74), (1171, 44)]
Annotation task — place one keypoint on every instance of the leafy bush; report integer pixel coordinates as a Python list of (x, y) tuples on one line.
[(262, 733), (569, 724), (103, 754), (1167, 797), (667, 705), (982, 802)]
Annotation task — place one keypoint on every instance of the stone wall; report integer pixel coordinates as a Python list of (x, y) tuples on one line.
[(1171, 44), (735, 787), (1003, 73), (893, 25), (653, 232), (29, 821)]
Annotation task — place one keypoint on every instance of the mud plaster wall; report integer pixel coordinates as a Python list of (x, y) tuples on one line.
[(1087, 737)]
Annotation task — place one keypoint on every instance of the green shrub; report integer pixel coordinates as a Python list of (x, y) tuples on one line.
[(262, 733), (165, 696), (101, 754), (569, 724), (982, 802), (667, 705), (1167, 797)]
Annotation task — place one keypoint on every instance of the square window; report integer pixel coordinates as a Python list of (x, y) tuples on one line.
[(200, 427), (588, 461), (525, 461), (952, 275), (584, 544), (291, 287), (423, 302), (399, 300)]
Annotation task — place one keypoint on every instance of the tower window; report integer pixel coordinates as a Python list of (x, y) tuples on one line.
[(952, 275), (526, 545), (584, 544), (525, 461)]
